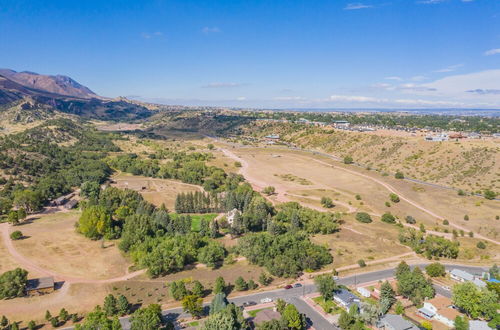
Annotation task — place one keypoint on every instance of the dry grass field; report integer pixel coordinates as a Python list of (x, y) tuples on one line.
[(52, 243), (155, 191)]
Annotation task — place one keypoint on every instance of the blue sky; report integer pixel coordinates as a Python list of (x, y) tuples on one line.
[(278, 54)]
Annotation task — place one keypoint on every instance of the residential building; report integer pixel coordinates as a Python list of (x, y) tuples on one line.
[(439, 309), (364, 292), (39, 286), (463, 276), (342, 124), (345, 298), (478, 325), (395, 322)]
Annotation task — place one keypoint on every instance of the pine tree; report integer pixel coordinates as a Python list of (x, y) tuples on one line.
[(110, 307), (123, 305)]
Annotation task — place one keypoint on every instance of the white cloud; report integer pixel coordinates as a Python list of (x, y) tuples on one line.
[(458, 84), (356, 6), (241, 98), (418, 78), (430, 2), (450, 68), (354, 98), (394, 78), (386, 102), (208, 30), (492, 52), (289, 98), (222, 85)]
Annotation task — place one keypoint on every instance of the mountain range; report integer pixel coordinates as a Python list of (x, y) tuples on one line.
[(28, 91)]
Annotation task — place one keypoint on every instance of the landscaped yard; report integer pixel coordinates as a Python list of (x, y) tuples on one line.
[(328, 306)]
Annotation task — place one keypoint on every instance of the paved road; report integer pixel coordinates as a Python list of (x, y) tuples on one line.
[(294, 295)]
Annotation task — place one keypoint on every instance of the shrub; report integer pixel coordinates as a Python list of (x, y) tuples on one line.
[(399, 175), (489, 194), (361, 263), (16, 235), (461, 192), (348, 160), (411, 220), (327, 202), (387, 204), (466, 217), (388, 218), (237, 164), (426, 325), (363, 217), (394, 198), (446, 222), (358, 197), (481, 245), (270, 190)]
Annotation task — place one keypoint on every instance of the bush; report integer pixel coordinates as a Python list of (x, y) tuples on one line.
[(435, 270), (399, 175), (387, 204), (489, 194), (461, 192), (348, 160), (363, 217), (411, 220), (327, 202), (361, 263), (16, 235), (394, 198), (358, 197), (466, 217), (270, 190), (388, 218), (481, 245), (237, 164), (446, 222)]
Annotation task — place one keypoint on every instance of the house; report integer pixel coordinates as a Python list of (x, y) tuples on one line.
[(463, 276), (364, 292), (478, 325), (231, 215), (395, 322), (439, 309), (437, 138), (40, 286), (343, 124), (345, 298)]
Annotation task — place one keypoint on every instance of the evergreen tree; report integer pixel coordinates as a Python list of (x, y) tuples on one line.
[(220, 285), (122, 305), (219, 302), (110, 305)]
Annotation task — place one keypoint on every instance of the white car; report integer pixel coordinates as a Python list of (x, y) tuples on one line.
[(266, 300)]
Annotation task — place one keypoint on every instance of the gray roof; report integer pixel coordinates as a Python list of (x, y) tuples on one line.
[(427, 312), (347, 297), (478, 325), (40, 283), (479, 283), (462, 274), (397, 322)]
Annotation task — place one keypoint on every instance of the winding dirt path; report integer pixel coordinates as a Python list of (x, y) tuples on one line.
[(281, 194), (29, 265)]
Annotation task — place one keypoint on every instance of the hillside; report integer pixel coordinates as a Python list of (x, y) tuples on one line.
[(14, 95), (472, 165)]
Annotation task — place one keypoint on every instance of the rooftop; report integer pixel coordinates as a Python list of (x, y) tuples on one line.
[(462, 274), (40, 283), (397, 322)]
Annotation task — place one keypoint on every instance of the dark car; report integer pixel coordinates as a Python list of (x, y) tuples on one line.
[(297, 285), (249, 303), (288, 287)]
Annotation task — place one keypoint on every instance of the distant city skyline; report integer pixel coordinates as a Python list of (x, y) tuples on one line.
[(401, 54)]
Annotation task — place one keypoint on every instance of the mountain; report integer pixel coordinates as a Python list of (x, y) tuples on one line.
[(58, 84), (33, 92)]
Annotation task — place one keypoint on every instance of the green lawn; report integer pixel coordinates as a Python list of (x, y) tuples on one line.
[(196, 219), (328, 306)]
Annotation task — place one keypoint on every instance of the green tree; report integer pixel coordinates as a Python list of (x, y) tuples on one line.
[(426, 325), (265, 279), (348, 160), (394, 198), (198, 289), (461, 323), (178, 290), (293, 318), (489, 194), (219, 303), (252, 285), (220, 285), (14, 326), (411, 220), (241, 284), (13, 283), (15, 235), (48, 316), (325, 285), (110, 305), (4, 321), (211, 254), (28, 200), (401, 269), (63, 315), (122, 305), (31, 325), (399, 308), (327, 202), (13, 217), (363, 217), (435, 270), (475, 302), (148, 318), (193, 305), (94, 222), (481, 245), (90, 190), (388, 218), (387, 293), (280, 305)]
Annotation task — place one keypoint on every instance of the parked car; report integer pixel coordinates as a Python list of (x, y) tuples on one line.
[(447, 288), (249, 303), (288, 287), (266, 300), (297, 285)]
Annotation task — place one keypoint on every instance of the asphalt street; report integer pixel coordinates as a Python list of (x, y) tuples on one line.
[(294, 295)]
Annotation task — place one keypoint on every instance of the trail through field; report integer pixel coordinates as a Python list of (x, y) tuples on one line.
[(29, 265), (395, 191)]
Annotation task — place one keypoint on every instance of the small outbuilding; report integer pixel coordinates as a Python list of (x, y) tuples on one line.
[(395, 322), (40, 286)]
